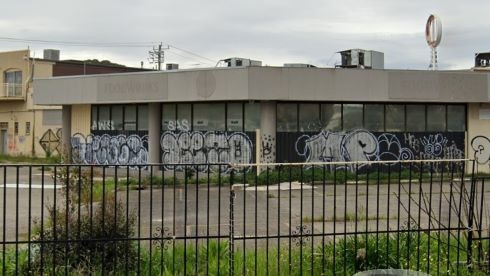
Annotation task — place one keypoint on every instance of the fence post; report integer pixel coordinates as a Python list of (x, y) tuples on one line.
[(258, 150), (231, 242), (470, 219)]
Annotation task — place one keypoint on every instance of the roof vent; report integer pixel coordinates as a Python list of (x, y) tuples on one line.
[(51, 54)]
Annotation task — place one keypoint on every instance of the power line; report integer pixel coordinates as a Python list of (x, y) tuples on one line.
[(79, 43), (191, 53), (190, 58), (105, 45)]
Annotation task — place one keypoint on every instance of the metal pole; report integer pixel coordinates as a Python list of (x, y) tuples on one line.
[(231, 241)]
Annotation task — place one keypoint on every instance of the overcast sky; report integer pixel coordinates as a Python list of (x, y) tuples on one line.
[(274, 32)]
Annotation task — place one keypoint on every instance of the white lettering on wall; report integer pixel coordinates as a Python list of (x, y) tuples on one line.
[(103, 125)]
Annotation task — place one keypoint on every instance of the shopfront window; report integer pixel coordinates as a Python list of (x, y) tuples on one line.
[(287, 117), (234, 117), (209, 117)]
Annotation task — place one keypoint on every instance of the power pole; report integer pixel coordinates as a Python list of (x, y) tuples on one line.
[(157, 56)]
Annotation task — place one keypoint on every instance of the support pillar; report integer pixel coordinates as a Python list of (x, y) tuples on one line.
[(268, 131), (66, 133), (154, 121)]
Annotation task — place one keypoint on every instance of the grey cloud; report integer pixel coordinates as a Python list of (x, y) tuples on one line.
[(272, 31)]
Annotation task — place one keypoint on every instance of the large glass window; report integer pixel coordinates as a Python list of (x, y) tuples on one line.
[(117, 117), (168, 117), (374, 116), (252, 116), (142, 117), (130, 117), (395, 117), (331, 117), (234, 119), (184, 117), (209, 117), (94, 117), (287, 117), (309, 117), (104, 122), (436, 117), (456, 118), (352, 116), (416, 117)]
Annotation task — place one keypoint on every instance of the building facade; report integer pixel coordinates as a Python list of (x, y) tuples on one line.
[(275, 114), (25, 127)]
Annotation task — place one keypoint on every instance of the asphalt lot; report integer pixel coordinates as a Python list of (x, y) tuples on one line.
[(197, 211)]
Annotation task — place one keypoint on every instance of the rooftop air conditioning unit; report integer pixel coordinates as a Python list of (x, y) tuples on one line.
[(51, 54), (241, 62), (359, 58), (172, 66)]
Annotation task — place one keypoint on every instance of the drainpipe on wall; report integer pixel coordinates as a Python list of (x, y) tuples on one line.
[(33, 133)]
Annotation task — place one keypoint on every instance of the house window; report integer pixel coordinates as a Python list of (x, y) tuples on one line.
[(13, 82), (16, 128), (28, 128)]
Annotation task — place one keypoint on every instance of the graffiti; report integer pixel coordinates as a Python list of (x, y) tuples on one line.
[(103, 125), (268, 152), (412, 141), (194, 147), (362, 145), (51, 141), (481, 146), (182, 125), (125, 150)]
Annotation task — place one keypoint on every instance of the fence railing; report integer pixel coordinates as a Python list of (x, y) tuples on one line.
[(11, 90), (324, 218)]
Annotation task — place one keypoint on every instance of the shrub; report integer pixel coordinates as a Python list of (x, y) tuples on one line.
[(82, 236)]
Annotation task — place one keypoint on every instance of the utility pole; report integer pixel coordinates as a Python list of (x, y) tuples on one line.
[(157, 56)]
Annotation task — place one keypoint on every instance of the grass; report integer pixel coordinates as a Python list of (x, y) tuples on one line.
[(13, 159), (349, 217), (414, 251)]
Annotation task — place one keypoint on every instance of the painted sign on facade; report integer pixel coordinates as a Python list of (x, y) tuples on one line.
[(51, 141)]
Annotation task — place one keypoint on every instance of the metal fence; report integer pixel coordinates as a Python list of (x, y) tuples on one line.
[(318, 219)]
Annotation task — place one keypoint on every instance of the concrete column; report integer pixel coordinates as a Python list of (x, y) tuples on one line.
[(66, 132), (268, 131), (154, 122)]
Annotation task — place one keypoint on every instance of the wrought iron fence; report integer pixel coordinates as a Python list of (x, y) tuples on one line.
[(318, 219)]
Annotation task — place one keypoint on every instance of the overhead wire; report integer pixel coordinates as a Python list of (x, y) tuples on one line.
[(110, 45)]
